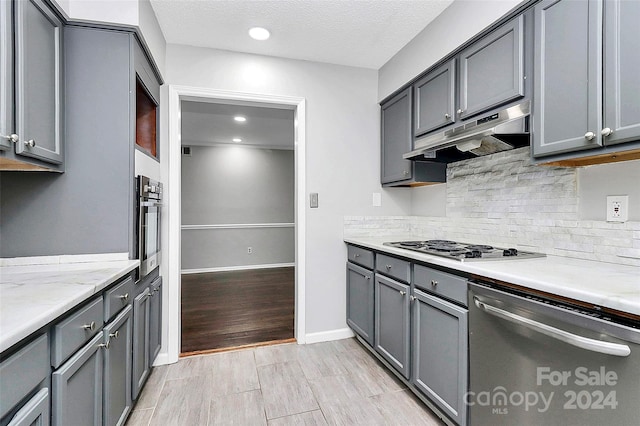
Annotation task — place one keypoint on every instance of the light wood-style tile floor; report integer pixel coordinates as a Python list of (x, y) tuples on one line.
[(332, 383)]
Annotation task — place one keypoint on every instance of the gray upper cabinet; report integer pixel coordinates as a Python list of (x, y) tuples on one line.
[(622, 71), (392, 322), (568, 74), (434, 100), (38, 95), (360, 301), (396, 138), (586, 87), (492, 70), (6, 75), (439, 350)]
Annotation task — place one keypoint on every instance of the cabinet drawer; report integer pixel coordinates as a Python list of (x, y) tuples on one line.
[(441, 283), (360, 256), (70, 334), (22, 372), (394, 267), (117, 298)]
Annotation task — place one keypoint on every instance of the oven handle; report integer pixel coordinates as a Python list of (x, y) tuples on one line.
[(150, 204), (564, 336)]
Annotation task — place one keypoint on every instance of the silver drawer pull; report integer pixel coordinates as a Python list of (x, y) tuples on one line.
[(447, 116), (115, 335), (606, 131), (388, 267), (90, 327), (589, 135), (412, 298), (124, 297), (403, 293), (30, 143), (12, 137), (104, 345), (356, 255), (434, 283), (368, 278)]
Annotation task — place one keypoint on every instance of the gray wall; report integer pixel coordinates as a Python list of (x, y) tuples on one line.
[(224, 185), (89, 208)]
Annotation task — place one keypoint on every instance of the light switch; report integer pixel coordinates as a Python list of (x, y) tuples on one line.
[(377, 199), (313, 200)]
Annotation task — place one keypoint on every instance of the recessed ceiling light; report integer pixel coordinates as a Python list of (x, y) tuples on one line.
[(259, 33), (236, 140), (240, 118)]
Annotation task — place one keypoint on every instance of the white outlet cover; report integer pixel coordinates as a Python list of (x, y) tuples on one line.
[(617, 208), (377, 199)]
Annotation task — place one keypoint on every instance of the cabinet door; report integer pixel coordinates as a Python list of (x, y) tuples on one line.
[(38, 56), (622, 71), (440, 348), (434, 99), (567, 105), (6, 74), (35, 412), (492, 70), (140, 342), (155, 320), (117, 369), (360, 301), (77, 387), (392, 322), (396, 138)]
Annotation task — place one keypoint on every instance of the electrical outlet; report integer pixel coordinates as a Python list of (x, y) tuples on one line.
[(617, 208), (313, 200), (249, 250), (377, 199)]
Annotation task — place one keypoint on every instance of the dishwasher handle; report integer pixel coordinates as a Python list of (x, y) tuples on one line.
[(564, 336)]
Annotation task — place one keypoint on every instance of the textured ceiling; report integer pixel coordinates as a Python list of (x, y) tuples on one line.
[(213, 124), (362, 33)]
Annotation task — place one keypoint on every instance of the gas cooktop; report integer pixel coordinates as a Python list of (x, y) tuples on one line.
[(464, 252)]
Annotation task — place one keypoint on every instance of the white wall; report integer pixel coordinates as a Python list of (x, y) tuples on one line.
[(342, 152), (457, 24)]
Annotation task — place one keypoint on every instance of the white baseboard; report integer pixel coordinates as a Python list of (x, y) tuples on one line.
[(236, 268), (162, 359), (327, 336)]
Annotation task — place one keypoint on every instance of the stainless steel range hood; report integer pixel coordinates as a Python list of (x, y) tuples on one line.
[(501, 131)]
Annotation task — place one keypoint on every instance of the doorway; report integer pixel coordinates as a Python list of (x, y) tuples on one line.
[(237, 225)]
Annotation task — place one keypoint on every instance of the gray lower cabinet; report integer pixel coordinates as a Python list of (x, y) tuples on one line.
[(77, 387), (141, 365), (35, 412), (117, 400), (596, 43), (360, 301), (392, 322), (440, 353), (155, 319), (32, 81)]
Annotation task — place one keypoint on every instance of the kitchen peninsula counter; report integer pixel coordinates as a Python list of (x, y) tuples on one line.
[(36, 291), (600, 284)]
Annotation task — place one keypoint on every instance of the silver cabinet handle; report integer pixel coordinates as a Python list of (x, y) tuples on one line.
[(388, 267), (447, 116), (368, 278), (90, 327), (434, 283), (115, 335), (589, 135), (30, 143), (606, 131), (406, 172), (105, 345), (460, 111), (356, 255), (403, 293), (124, 297), (412, 298), (593, 345), (12, 137)]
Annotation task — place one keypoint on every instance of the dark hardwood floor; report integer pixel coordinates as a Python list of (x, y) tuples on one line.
[(228, 309)]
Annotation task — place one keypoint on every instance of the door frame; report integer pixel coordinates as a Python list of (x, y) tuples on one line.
[(171, 218)]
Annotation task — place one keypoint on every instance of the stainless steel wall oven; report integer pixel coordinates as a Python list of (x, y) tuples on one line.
[(149, 206)]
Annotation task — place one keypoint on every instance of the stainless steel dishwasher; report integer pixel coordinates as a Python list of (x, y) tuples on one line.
[(538, 361)]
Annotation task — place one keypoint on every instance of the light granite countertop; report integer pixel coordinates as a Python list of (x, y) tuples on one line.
[(34, 294), (604, 284)]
